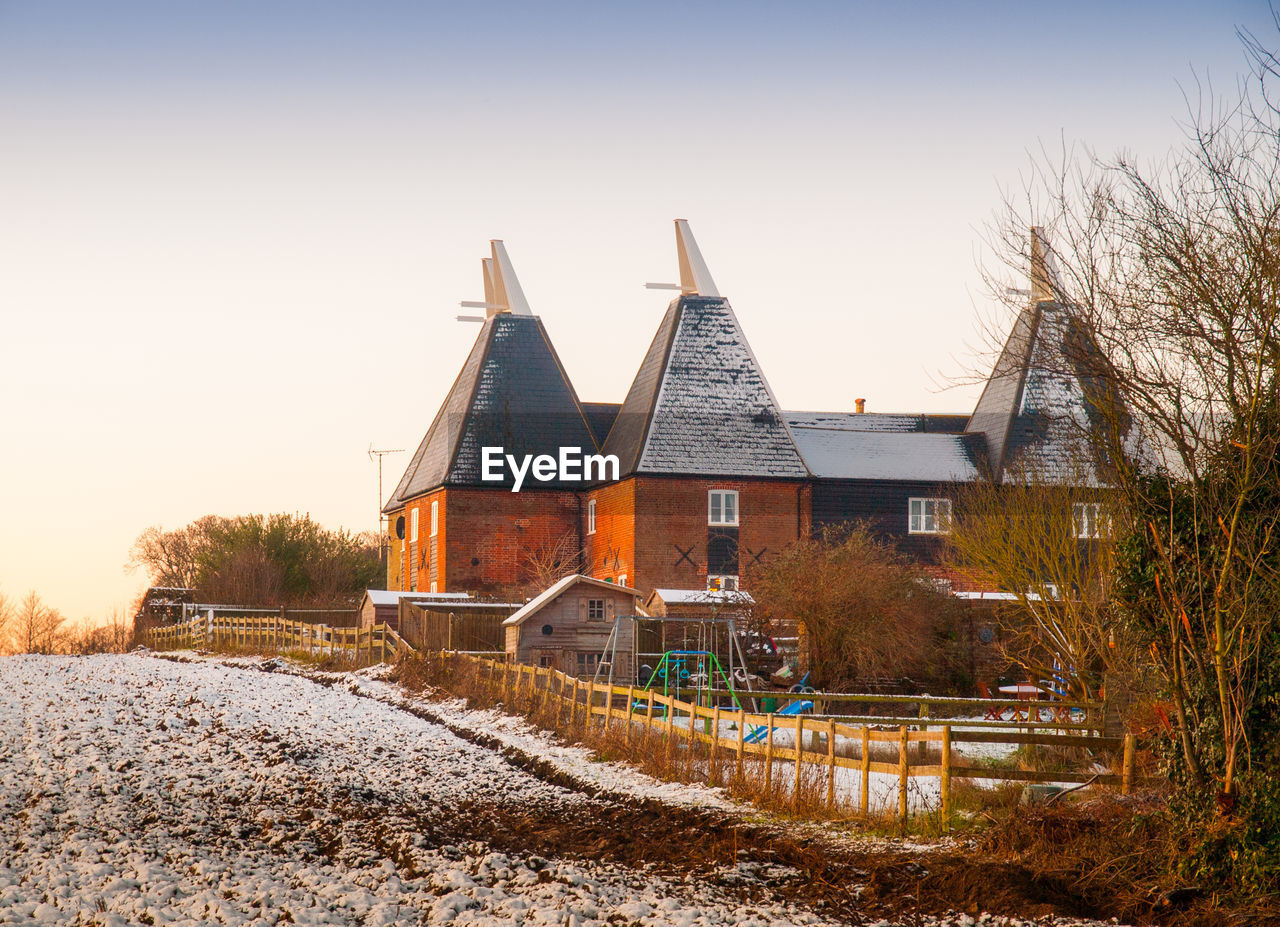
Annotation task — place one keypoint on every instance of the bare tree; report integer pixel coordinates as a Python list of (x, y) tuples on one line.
[(863, 608), (6, 622), (1051, 546), (36, 626), (551, 559), (1173, 271)]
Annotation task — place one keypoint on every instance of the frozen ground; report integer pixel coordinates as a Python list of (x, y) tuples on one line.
[(141, 790)]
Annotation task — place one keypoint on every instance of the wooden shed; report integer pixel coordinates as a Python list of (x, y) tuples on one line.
[(568, 626), (383, 605)]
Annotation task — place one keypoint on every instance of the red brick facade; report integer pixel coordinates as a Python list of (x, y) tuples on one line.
[(650, 531), (485, 541), (654, 531)]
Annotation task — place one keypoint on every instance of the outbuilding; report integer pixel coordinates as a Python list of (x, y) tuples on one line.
[(569, 624)]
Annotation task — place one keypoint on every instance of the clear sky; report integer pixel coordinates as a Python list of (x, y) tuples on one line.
[(233, 235)]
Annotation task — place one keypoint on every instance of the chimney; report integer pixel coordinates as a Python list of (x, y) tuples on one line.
[(860, 405)]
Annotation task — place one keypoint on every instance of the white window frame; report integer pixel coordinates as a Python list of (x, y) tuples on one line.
[(622, 579), (716, 507), (1082, 527), (435, 517), (433, 586), (722, 582), (591, 516), (413, 525), (928, 515)]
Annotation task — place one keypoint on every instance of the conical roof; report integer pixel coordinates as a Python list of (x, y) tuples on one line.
[(513, 393), (1045, 409), (700, 403)]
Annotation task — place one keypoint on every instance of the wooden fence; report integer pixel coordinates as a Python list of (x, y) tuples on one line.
[(801, 746), (269, 631), (791, 749)]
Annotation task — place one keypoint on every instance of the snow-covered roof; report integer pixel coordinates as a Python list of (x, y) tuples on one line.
[(700, 402), (947, 423), (840, 454), (391, 597), (704, 596), (1045, 405), (536, 604)]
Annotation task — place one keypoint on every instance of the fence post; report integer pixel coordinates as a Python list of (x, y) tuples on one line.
[(573, 706), (795, 796), (631, 695), (866, 771), (715, 744), (693, 721), (946, 776), (768, 753), (1126, 778), (831, 763), (902, 774), (591, 704)]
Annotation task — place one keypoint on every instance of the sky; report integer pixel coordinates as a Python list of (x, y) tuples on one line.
[(233, 236)]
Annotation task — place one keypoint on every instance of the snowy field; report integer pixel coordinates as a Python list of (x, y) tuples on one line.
[(137, 790)]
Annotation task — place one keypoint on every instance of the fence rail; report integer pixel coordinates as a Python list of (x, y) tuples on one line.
[(809, 746), (794, 747), (269, 631)]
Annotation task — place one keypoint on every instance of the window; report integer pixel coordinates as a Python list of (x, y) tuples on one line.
[(413, 525), (1089, 519), (435, 517), (622, 579), (591, 516), (722, 507), (545, 659), (595, 609), (722, 583), (929, 516), (587, 663), (433, 587)]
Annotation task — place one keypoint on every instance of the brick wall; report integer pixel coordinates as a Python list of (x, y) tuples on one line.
[(487, 536), (610, 551), (672, 531)]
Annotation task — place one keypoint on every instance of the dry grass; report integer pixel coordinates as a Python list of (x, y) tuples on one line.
[(666, 752)]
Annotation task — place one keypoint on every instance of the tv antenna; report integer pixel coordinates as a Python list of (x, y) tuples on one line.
[(373, 452)]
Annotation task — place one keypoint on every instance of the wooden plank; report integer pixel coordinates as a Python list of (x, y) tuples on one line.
[(795, 795), (1040, 740), (1031, 775), (945, 784), (866, 770), (831, 764), (902, 775), (768, 755)]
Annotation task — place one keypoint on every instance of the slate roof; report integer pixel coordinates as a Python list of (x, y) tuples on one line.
[(944, 423), (844, 454), (601, 416), (511, 392), (700, 403), (1043, 400)]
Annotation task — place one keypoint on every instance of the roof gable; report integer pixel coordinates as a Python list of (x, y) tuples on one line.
[(700, 402), (556, 589), (512, 392)]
